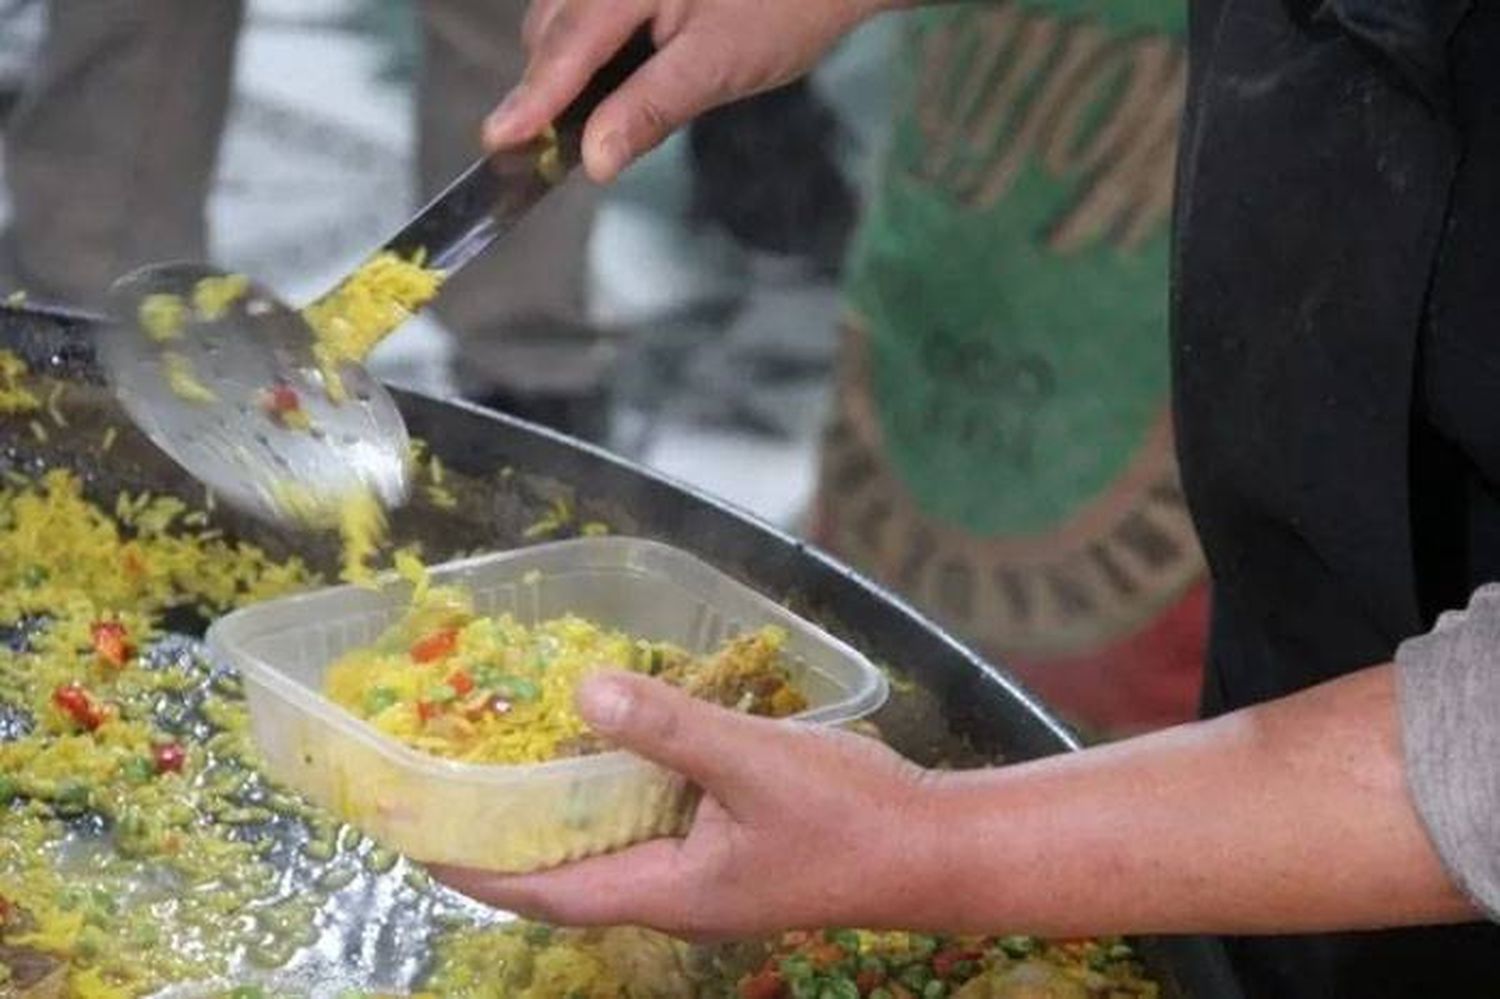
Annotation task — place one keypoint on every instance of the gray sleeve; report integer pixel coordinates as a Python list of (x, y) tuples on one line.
[(1449, 691)]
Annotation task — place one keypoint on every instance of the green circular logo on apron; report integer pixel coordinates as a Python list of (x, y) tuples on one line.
[(1012, 275)]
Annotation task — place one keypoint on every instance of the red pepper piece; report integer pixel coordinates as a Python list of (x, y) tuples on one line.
[(868, 981), (438, 645), (427, 711), (281, 399), (766, 985), (461, 682), (111, 642), (76, 703), (169, 758)]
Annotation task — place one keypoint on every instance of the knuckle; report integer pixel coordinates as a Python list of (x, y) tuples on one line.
[(557, 35), (712, 72), (652, 120)]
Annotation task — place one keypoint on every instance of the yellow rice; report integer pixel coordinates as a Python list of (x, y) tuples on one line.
[(433, 678), (212, 296), (183, 380), (162, 316), (377, 298), (15, 397)]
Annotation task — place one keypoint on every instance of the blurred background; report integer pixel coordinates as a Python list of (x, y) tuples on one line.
[(914, 309), (719, 374)]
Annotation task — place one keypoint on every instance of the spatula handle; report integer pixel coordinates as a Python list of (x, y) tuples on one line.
[(494, 194)]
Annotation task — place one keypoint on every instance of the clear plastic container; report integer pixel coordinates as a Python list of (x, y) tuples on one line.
[(510, 818)]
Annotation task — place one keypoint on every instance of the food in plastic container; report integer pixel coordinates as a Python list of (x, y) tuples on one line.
[(524, 816)]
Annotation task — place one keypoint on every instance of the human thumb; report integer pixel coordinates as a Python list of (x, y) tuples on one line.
[(712, 746)]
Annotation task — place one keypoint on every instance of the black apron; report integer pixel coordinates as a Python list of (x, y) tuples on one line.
[(1336, 352)]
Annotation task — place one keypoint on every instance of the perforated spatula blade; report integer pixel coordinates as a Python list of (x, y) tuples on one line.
[(239, 400)]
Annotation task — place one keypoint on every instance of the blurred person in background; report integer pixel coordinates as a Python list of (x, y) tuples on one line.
[(1001, 450), (111, 154)]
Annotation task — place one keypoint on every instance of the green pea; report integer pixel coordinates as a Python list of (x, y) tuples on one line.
[(441, 693), (934, 990), (518, 688), (9, 790), (138, 770), (1017, 946), (916, 977), (847, 939), (379, 699), (795, 968)]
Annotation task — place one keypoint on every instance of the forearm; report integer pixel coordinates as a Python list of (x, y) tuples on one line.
[(1291, 816)]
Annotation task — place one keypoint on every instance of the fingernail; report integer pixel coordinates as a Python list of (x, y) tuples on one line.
[(614, 154), (604, 702)]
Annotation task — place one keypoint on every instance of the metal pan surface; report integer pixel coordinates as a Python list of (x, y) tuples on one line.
[(515, 484)]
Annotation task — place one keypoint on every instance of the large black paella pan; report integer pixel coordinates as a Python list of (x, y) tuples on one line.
[(507, 478)]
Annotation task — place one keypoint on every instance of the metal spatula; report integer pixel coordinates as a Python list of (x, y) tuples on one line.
[(213, 391)]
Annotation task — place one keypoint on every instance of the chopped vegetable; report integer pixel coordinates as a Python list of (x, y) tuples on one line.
[(76, 702), (438, 645), (111, 643), (282, 404), (169, 758), (763, 985), (492, 690)]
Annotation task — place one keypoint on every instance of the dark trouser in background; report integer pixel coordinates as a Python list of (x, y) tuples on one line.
[(111, 154)]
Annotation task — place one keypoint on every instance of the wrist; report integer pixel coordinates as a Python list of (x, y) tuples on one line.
[(925, 870)]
